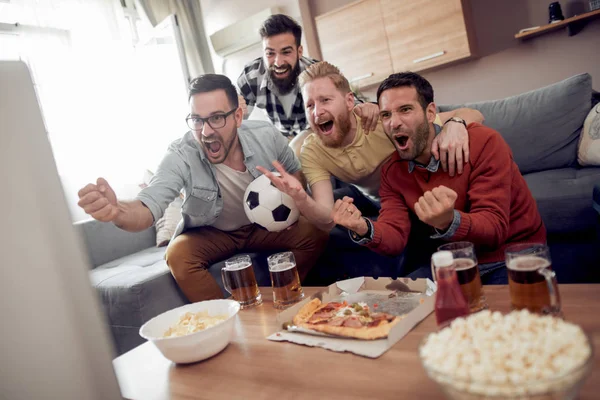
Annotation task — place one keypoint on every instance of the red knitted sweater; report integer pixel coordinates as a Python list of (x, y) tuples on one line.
[(494, 201)]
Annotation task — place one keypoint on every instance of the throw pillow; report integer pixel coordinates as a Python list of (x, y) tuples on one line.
[(589, 143), (542, 127), (166, 225)]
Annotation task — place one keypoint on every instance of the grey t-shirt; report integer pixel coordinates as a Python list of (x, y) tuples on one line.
[(287, 101)]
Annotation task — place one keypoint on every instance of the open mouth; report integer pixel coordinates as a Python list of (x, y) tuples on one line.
[(326, 127), (402, 141), (281, 70), (212, 147)]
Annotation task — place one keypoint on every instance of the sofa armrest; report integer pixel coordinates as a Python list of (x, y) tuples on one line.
[(105, 242)]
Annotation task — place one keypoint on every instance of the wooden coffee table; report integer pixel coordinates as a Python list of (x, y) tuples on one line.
[(254, 367)]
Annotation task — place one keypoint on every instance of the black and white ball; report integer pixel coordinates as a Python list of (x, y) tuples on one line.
[(268, 207)]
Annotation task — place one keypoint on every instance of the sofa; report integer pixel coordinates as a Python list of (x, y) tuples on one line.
[(542, 128)]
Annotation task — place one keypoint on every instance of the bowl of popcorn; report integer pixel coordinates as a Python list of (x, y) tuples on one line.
[(193, 332), (519, 355)]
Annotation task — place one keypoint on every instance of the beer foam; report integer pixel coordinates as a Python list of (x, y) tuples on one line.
[(468, 264), (282, 267), (528, 263), (238, 266)]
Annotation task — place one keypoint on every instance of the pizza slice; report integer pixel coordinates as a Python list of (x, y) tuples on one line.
[(343, 319)]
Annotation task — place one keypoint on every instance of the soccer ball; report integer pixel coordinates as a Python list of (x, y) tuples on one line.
[(268, 207)]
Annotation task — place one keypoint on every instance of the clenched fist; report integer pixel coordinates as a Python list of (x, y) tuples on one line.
[(99, 201), (436, 207), (346, 214), (369, 115)]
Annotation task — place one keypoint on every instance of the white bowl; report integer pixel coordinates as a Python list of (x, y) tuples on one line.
[(196, 346)]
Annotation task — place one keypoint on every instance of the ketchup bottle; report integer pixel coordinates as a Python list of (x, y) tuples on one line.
[(450, 303)]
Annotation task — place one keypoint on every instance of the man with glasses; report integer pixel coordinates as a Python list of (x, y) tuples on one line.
[(213, 163)]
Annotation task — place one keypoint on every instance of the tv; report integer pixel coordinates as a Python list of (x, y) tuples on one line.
[(54, 342)]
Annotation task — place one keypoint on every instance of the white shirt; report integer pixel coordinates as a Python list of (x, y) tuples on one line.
[(233, 185)]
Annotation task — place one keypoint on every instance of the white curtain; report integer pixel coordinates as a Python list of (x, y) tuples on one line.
[(191, 24), (110, 108)]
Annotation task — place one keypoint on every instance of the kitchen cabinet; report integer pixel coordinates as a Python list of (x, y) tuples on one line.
[(423, 34), (370, 39), (353, 38)]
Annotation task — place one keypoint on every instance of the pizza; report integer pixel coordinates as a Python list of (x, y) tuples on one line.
[(350, 320)]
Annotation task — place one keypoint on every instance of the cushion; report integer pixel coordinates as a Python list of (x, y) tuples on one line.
[(589, 143), (134, 289), (105, 242), (137, 287), (167, 224), (564, 198), (542, 126)]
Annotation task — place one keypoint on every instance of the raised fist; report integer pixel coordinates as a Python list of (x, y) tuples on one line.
[(99, 201)]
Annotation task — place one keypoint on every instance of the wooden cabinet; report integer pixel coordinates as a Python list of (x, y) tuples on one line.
[(425, 33), (353, 39), (370, 39)]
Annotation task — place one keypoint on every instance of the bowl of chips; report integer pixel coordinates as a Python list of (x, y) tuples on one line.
[(193, 332), (514, 356)]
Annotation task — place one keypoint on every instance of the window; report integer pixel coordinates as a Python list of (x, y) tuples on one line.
[(111, 87)]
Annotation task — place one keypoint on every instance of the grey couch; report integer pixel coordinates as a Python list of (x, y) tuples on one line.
[(542, 127), (134, 281)]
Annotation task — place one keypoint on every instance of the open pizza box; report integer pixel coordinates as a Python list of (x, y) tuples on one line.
[(413, 299)]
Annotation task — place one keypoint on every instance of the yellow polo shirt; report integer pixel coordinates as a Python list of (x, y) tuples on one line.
[(358, 163)]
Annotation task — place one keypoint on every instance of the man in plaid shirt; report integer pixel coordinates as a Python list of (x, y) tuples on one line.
[(271, 82)]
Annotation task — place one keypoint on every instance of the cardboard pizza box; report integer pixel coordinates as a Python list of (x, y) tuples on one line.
[(403, 296)]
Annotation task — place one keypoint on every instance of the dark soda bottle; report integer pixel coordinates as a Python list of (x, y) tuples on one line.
[(450, 302)]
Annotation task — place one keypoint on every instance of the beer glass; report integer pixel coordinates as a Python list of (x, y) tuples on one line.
[(531, 280), (285, 279), (239, 280), (467, 271)]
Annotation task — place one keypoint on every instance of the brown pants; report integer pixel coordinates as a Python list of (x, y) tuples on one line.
[(192, 252)]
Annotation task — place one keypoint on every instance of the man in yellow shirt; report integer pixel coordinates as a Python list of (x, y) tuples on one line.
[(338, 147)]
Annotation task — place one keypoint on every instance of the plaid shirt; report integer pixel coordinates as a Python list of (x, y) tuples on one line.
[(256, 89)]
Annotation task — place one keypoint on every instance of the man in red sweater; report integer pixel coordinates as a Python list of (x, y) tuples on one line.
[(489, 205)]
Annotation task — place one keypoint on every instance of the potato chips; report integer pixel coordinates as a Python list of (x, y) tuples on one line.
[(193, 322)]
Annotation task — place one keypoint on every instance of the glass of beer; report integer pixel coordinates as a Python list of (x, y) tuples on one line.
[(239, 280), (531, 280), (467, 271), (285, 279)]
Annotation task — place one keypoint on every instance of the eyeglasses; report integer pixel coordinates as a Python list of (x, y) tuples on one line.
[(215, 121)]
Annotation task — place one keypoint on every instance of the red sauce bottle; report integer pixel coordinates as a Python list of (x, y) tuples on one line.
[(450, 303)]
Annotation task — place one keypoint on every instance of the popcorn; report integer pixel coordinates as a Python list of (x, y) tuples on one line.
[(490, 353)]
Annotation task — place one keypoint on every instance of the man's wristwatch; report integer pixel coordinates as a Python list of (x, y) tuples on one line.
[(456, 119), (367, 236)]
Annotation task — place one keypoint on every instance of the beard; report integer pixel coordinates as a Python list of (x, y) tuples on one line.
[(419, 139), (341, 129), (282, 86), (218, 142)]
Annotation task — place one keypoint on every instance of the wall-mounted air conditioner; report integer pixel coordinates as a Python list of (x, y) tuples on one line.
[(241, 34)]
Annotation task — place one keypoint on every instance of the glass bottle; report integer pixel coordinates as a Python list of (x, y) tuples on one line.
[(450, 302)]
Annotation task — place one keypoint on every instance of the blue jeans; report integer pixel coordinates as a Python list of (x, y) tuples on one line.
[(491, 273)]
